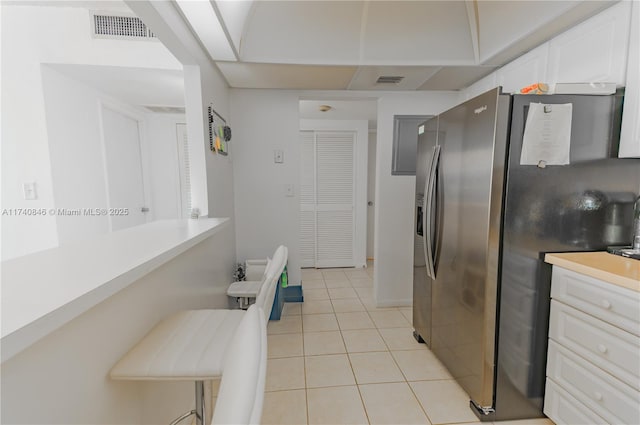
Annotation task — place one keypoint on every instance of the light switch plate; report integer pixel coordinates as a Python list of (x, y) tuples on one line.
[(30, 192), (288, 190), (278, 156)]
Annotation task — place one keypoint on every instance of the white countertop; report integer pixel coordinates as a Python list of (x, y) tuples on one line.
[(45, 290), (611, 268)]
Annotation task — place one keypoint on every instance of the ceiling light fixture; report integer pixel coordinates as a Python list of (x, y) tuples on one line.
[(324, 108), (207, 28), (389, 79)]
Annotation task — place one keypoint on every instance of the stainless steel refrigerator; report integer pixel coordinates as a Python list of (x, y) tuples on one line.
[(483, 225)]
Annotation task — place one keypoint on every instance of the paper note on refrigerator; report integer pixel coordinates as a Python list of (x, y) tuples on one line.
[(547, 135)]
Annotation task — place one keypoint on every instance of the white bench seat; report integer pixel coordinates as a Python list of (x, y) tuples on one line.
[(256, 275), (245, 289), (189, 345)]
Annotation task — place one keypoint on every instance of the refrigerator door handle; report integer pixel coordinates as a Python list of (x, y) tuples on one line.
[(427, 212)]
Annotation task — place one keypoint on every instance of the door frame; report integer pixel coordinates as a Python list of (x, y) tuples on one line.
[(145, 165), (361, 127)]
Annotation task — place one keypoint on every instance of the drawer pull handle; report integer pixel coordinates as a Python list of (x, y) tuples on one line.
[(605, 304), (602, 348), (598, 396)]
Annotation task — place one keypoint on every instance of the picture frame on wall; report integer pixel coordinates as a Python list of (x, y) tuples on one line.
[(219, 132)]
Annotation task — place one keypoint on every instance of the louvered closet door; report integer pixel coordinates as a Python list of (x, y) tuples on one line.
[(307, 199), (334, 198), (327, 198)]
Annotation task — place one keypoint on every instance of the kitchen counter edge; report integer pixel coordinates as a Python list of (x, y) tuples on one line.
[(106, 265), (614, 269)]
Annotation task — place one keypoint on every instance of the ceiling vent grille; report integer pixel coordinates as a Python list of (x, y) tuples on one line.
[(120, 27), (389, 79)]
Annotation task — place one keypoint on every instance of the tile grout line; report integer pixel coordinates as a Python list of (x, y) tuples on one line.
[(304, 367), (420, 403), (355, 379)]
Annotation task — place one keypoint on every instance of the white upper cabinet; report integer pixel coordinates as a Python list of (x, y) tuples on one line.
[(485, 84), (594, 51), (526, 70), (630, 136)]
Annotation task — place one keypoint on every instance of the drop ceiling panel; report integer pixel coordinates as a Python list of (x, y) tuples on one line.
[(303, 32), (417, 33), (279, 76), (414, 77), (456, 77)]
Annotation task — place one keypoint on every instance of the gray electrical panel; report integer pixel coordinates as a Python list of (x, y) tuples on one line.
[(405, 143)]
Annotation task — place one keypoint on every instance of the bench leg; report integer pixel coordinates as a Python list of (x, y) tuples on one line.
[(182, 417), (199, 411), (200, 406), (243, 303)]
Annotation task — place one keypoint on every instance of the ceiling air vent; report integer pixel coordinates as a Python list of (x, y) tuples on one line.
[(120, 27), (389, 79)]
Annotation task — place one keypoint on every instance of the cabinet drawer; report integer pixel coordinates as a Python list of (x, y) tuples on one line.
[(604, 345), (614, 400), (613, 304), (564, 409)]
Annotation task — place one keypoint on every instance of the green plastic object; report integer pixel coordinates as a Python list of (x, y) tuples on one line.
[(284, 279)]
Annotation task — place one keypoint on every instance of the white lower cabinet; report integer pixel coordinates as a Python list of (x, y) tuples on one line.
[(614, 401), (563, 408), (593, 365)]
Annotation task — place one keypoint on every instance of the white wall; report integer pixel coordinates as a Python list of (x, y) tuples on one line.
[(75, 128), (64, 378), (165, 169), (75, 133), (360, 171), (395, 198), (196, 135), (30, 36), (263, 121), (72, 112), (211, 173), (219, 168)]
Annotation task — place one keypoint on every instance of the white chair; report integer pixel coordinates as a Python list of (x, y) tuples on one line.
[(192, 345), (241, 394), (244, 291), (267, 292)]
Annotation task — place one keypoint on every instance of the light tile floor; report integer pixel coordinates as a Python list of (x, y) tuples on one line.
[(337, 359)]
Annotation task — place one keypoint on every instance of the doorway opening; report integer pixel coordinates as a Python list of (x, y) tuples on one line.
[(337, 182)]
